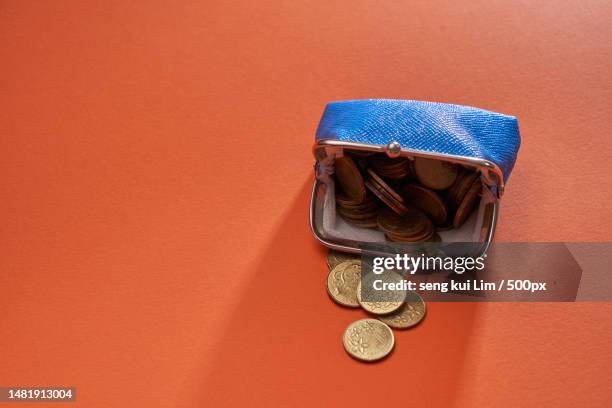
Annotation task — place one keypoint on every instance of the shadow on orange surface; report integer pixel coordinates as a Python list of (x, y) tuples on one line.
[(283, 343)]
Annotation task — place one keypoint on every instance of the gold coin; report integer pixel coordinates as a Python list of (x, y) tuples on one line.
[(349, 178), (410, 314), (386, 301), (336, 257), (342, 283), (435, 174), (368, 340)]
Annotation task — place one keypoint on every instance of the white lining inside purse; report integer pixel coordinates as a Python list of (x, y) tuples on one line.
[(334, 227)]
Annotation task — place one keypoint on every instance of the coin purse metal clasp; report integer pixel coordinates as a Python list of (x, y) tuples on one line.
[(482, 143)]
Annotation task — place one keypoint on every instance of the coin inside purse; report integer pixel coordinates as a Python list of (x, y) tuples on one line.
[(354, 185)]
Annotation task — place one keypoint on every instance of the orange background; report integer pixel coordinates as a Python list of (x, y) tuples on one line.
[(156, 166)]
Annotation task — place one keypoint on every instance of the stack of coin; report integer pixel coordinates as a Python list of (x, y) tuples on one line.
[(467, 205), (413, 226), (459, 189), (370, 339), (350, 179), (368, 182), (362, 214), (427, 201), (384, 192), (463, 196), (392, 169)]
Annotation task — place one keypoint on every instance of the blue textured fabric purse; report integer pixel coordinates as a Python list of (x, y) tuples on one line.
[(425, 126), (481, 140)]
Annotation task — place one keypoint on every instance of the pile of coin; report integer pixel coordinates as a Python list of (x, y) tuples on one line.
[(363, 214), (392, 169), (463, 196), (413, 226), (407, 199), (384, 192), (370, 339)]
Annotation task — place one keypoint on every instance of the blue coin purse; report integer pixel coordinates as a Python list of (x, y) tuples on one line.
[(477, 139)]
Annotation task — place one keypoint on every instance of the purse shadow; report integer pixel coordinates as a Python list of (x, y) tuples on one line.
[(283, 343)]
